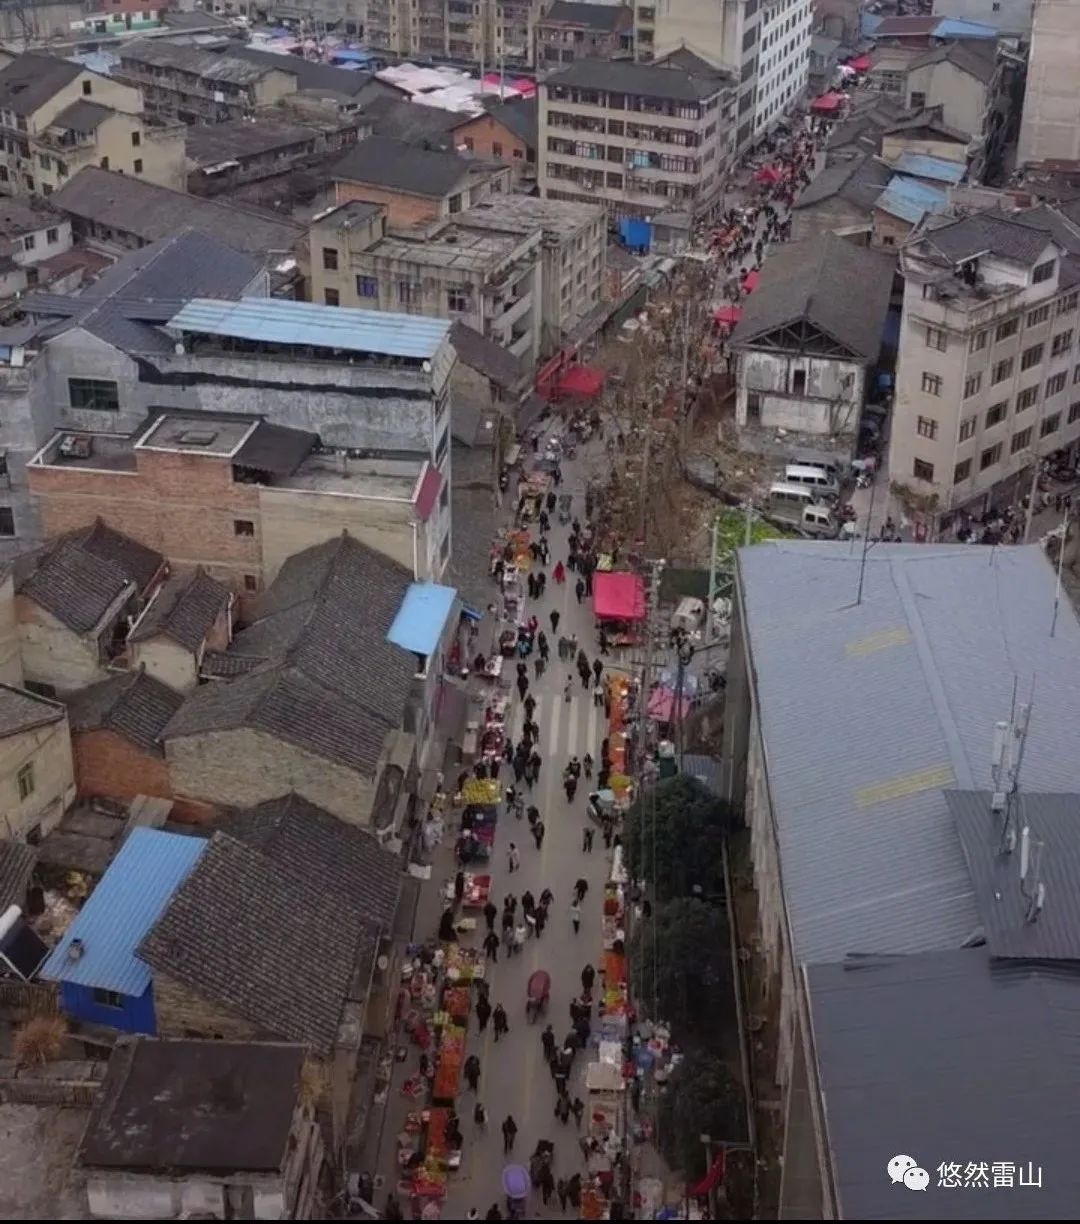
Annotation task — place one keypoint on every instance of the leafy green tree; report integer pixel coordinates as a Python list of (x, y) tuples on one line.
[(690, 824), (701, 1098), (685, 946)]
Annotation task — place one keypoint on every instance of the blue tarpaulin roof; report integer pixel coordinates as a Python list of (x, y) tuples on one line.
[(277, 321), (956, 27), (910, 199), (922, 165), (349, 55), (127, 902), (422, 617)]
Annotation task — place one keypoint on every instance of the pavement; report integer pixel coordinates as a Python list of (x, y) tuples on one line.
[(514, 1079)]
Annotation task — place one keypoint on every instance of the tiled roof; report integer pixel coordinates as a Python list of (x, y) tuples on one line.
[(265, 940), (223, 664), (133, 704), (399, 166), (184, 609), (990, 231), (16, 867), (22, 711), (346, 860), (412, 122), (976, 57), (840, 288), (135, 560), (858, 182), (644, 80), (907, 686), (602, 17), (488, 358), (82, 116), (520, 115), (30, 80)]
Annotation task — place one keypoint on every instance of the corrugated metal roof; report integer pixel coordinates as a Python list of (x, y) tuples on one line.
[(910, 199), (422, 617), (120, 912), (957, 27), (946, 1057), (277, 321), (869, 712), (923, 165)]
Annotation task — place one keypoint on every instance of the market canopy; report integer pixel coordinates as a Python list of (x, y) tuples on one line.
[(767, 174), (861, 63), (750, 281), (727, 316), (581, 380), (619, 596), (827, 102), (663, 706)]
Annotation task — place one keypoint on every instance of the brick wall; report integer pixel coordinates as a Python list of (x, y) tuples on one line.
[(110, 766), (183, 1013), (400, 209), (484, 133)]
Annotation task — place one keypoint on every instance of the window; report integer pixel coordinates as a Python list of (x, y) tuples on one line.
[(136, 165), (330, 259), (1037, 316), (1027, 397), (922, 470), (1006, 329), (94, 394), (251, 583), (136, 140), (29, 242), (455, 203), (1068, 303), (444, 496), (1055, 385), (88, 87), (457, 298), (1031, 356), (798, 382), (931, 383), (24, 780), (961, 472), (989, 457), (615, 181), (107, 998), (367, 287), (51, 236), (972, 385), (407, 291), (926, 427), (996, 414), (7, 521), (1050, 425), (1002, 370), (1062, 342), (496, 148), (918, 100), (243, 527), (1043, 272), (1020, 441), (1074, 413), (442, 446), (936, 339), (978, 341), (331, 297), (967, 428)]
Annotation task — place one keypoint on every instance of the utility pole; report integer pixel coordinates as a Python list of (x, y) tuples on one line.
[(714, 561)]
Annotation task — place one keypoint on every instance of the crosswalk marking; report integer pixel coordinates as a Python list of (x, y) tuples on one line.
[(566, 728)]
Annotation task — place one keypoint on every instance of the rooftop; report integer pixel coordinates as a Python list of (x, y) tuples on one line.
[(210, 144), (989, 233), (82, 116), (910, 199), (644, 80), (340, 328), (133, 704), (23, 711), (858, 182), (488, 358), (195, 1106), (184, 610), (521, 214), (311, 75), (397, 165), (30, 80), (869, 853), (422, 617), (197, 434), (520, 115), (976, 57), (24, 216), (117, 915), (605, 18), (412, 122), (922, 165), (186, 58), (131, 205), (454, 247), (937, 1056)]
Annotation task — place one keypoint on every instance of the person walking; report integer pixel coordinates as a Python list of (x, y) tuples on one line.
[(535, 762), (588, 977), (570, 786), (554, 620), (598, 669), (587, 840), (483, 1012), (491, 947), (490, 914), (559, 573), (568, 689), (522, 686), (577, 1109), (540, 920), (562, 1109), (538, 833), (547, 1040), (530, 707), (587, 762), (575, 916), (471, 1071), (509, 1132), (579, 589), (547, 1184), (581, 887), (513, 860), (499, 1022), (542, 647)]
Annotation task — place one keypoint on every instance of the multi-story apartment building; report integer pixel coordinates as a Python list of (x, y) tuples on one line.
[(56, 117), (724, 32), (569, 31), (636, 137), (1048, 127), (784, 38), (485, 279), (461, 30), (988, 378)]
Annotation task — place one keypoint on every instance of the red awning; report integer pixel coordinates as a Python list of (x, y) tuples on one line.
[(827, 102), (427, 493), (712, 1179), (727, 316), (767, 174), (861, 63), (581, 380), (750, 281), (618, 596)]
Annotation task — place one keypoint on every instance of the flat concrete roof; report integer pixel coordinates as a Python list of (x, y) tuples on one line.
[(92, 451), (520, 214), (197, 434), (453, 248), (354, 478)]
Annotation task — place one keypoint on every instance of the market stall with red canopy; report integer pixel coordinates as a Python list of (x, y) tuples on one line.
[(727, 316), (861, 63), (767, 174), (581, 380), (828, 103), (618, 596)]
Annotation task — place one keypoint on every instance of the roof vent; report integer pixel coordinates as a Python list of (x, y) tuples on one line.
[(197, 437), (76, 950)]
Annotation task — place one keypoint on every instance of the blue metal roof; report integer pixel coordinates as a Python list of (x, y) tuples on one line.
[(910, 199), (422, 617), (276, 321), (869, 22), (956, 27), (922, 165), (127, 902)]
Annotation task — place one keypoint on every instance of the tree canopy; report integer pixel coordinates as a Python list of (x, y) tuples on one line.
[(690, 824), (701, 1098)]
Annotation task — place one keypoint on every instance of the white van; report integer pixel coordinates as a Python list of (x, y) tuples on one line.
[(832, 465), (788, 501), (814, 478)]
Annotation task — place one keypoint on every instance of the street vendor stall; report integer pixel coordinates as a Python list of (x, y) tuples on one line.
[(450, 1060), (531, 494), (619, 604)]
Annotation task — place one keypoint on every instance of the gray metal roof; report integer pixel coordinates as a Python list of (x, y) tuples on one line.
[(643, 80), (1054, 820), (948, 1057), (990, 231), (869, 712)]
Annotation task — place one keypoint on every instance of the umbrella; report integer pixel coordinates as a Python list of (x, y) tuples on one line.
[(727, 316), (767, 174), (516, 1181), (750, 281)]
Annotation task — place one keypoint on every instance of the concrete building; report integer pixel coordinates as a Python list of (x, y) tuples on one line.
[(457, 30), (236, 505), (839, 19), (723, 32), (568, 31), (1011, 18), (58, 117), (924, 133), (199, 86), (416, 185), (31, 234), (636, 137), (1049, 130), (37, 778), (988, 362), (251, 1151), (488, 280), (507, 132), (809, 339), (824, 60), (784, 38)]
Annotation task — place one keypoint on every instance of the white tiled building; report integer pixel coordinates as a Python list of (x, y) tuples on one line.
[(783, 59)]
